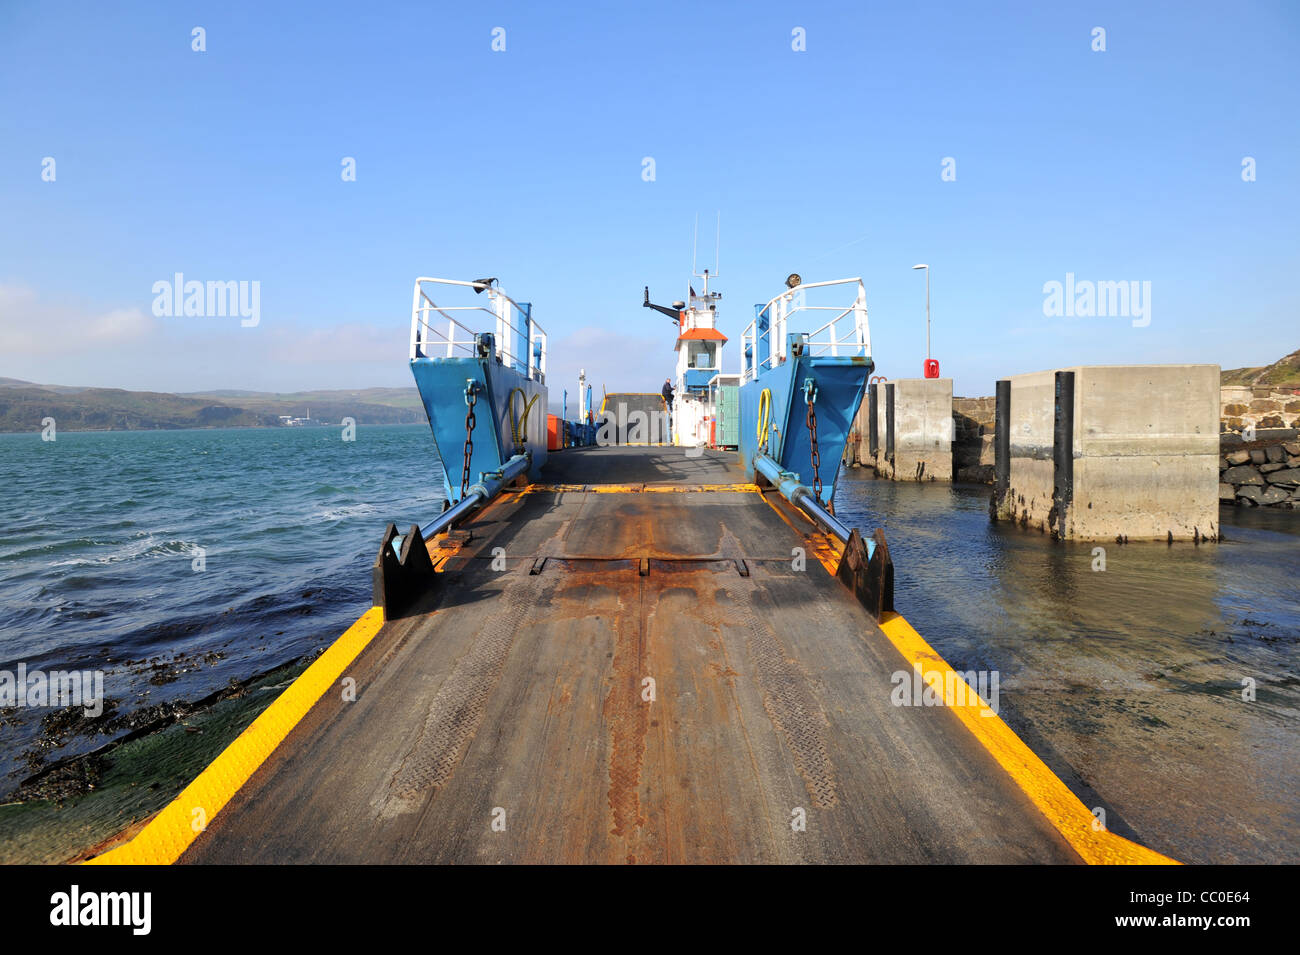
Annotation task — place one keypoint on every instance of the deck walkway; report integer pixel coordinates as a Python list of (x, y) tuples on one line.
[(512, 720)]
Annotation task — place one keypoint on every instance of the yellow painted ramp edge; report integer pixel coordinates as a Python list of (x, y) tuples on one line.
[(1052, 797), (172, 831)]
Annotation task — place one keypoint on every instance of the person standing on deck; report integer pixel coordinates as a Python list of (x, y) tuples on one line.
[(667, 392)]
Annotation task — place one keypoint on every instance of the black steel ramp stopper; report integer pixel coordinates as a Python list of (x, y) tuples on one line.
[(870, 579), (400, 580)]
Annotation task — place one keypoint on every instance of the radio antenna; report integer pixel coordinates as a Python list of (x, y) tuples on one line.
[(717, 248), (695, 242)]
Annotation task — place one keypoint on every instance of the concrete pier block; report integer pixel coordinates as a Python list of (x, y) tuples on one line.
[(914, 429), (1112, 452)]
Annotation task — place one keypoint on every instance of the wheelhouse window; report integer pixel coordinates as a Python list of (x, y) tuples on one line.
[(702, 355)]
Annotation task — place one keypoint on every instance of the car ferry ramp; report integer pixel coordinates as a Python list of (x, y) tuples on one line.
[(639, 659)]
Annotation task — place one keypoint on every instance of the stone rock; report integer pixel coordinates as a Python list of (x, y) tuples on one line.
[(1271, 466), (1227, 493), (1258, 456), (1249, 493), (1223, 464), (1292, 447), (1275, 453), (1243, 474), (1274, 495), (1289, 476), (1238, 457), (1293, 460)]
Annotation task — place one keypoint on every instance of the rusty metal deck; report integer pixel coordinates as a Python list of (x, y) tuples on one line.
[(511, 720)]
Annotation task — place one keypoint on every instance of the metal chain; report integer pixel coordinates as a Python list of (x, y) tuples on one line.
[(471, 398), (810, 396)]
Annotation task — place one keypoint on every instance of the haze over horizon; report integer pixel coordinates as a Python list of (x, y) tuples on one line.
[(1070, 163)]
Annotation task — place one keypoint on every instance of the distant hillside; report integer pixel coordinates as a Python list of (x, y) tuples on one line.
[(367, 406), (23, 405), (1283, 373), (22, 408)]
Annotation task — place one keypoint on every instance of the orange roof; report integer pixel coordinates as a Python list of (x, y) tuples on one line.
[(702, 334)]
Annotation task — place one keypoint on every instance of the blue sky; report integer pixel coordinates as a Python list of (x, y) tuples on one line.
[(527, 165)]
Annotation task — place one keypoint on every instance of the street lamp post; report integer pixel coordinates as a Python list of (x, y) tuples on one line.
[(927, 307)]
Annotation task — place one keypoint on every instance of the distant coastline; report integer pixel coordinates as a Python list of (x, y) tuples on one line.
[(208, 427), (25, 407)]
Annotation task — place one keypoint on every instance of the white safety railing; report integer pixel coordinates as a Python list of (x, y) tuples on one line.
[(449, 330), (846, 334)]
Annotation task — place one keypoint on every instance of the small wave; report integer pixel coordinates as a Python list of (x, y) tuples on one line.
[(345, 512), (146, 548), (53, 547), (326, 490)]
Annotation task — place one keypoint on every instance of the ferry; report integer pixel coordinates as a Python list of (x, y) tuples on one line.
[(632, 652)]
